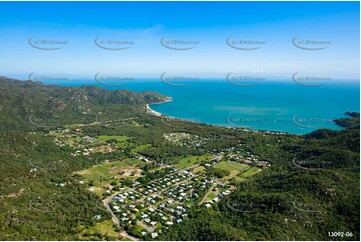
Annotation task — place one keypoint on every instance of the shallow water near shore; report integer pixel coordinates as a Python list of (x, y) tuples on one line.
[(282, 106)]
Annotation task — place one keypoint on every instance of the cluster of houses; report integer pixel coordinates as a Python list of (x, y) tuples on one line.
[(105, 148), (259, 131), (185, 139), (275, 132), (249, 160), (217, 198), (84, 145), (246, 157), (142, 158), (216, 159), (160, 204), (188, 191)]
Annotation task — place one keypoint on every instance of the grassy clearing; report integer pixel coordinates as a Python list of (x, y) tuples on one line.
[(99, 177), (139, 228), (247, 174), (251, 172), (199, 169), (108, 170), (211, 196), (117, 138), (240, 179), (105, 228), (192, 160), (231, 166), (132, 163)]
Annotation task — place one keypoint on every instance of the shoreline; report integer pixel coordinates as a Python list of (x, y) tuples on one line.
[(150, 111), (155, 113)]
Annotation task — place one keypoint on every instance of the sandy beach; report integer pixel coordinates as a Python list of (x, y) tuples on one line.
[(152, 112), (155, 113)]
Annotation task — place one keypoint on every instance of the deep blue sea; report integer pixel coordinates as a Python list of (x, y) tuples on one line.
[(273, 105)]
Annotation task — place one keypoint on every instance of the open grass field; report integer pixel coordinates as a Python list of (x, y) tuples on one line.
[(192, 160), (241, 172), (99, 177), (105, 228), (117, 138), (210, 196), (251, 172), (231, 166), (248, 173), (240, 179), (108, 170), (199, 169), (132, 163)]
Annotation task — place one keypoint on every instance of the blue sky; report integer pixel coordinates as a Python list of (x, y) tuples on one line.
[(207, 23)]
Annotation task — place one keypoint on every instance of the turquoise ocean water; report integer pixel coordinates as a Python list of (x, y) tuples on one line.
[(273, 105)]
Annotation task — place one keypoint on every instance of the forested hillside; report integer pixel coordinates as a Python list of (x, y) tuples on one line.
[(51, 105)]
